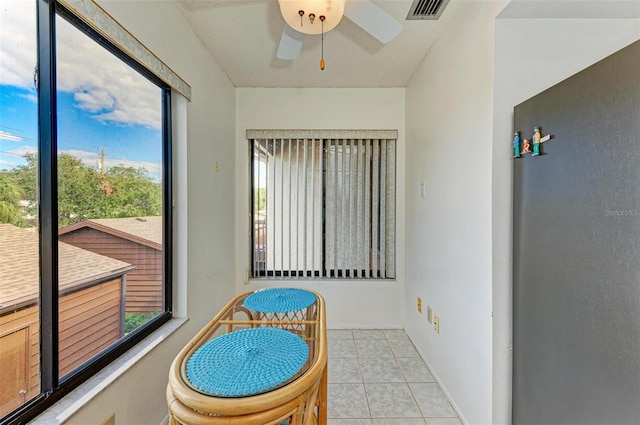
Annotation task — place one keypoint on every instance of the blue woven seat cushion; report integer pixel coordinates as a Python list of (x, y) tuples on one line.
[(279, 300), (246, 362)]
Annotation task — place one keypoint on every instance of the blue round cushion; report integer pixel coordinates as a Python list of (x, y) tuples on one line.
[(247, 362), (279, 300)]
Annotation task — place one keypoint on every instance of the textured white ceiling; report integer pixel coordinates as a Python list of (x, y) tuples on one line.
[(243, 35), (571, 9)]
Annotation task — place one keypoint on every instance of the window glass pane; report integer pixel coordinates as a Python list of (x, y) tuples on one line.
[(323, 208), (19, 262), (109, 197)]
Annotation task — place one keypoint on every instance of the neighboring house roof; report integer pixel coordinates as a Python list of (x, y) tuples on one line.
[(143, 230), (20, 267)]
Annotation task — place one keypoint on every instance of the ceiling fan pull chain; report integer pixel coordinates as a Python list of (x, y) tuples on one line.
[(322, 45)]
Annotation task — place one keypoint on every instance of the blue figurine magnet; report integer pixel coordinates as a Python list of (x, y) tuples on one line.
[(516, 144)]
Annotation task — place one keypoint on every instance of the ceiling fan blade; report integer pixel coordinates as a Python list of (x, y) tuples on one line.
[(290, 44), (373, 20)]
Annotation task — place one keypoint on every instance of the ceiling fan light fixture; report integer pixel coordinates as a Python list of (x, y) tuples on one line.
[(332, 10)]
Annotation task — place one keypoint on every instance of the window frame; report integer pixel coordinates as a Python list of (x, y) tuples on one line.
[(325, 137), (52, 387)]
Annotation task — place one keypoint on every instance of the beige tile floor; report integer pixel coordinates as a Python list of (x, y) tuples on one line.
[(376, 377)]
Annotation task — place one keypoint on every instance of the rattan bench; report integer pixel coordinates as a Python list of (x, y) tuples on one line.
[(261, 361)]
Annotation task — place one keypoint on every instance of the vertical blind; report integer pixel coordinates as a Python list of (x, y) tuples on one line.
[(323, 204)]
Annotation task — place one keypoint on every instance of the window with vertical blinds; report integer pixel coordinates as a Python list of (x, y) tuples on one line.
[(323, 204)]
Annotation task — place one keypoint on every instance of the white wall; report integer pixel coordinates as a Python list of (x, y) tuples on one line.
[(532, 55), (357, 304), (204, 234), (459, 127), (449, 136)]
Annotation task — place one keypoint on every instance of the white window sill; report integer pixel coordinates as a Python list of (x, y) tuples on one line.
[(76, 399)]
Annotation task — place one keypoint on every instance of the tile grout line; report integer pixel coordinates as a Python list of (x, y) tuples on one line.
[(389, 342)]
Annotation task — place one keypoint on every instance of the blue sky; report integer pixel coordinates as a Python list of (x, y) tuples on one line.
[(102, 103)]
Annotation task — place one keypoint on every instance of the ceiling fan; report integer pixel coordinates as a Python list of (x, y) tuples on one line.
[(320, 16)]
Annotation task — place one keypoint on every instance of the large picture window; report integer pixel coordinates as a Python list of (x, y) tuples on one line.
[(85, 189), (323, 204)]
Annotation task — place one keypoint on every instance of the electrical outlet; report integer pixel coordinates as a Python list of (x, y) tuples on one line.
[(111, 420), (419, 305), (436, 323), (429, 315)]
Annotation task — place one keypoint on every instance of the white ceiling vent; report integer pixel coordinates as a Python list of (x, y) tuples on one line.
[(426, 9)]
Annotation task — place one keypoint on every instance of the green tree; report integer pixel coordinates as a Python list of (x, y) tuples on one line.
[(79, 191), (10, 197), (25, 177), (260, 198), (84, 193), (134, 192)]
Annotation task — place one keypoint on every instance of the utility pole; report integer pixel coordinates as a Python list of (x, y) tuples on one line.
[(101, 165)]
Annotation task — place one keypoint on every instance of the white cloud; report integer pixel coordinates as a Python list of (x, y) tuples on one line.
[(30, 97), (96, 100), (22, 151), (18, 54), (6, 165), (12, 137), (102, 84), (13, 158), (99, 81)]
